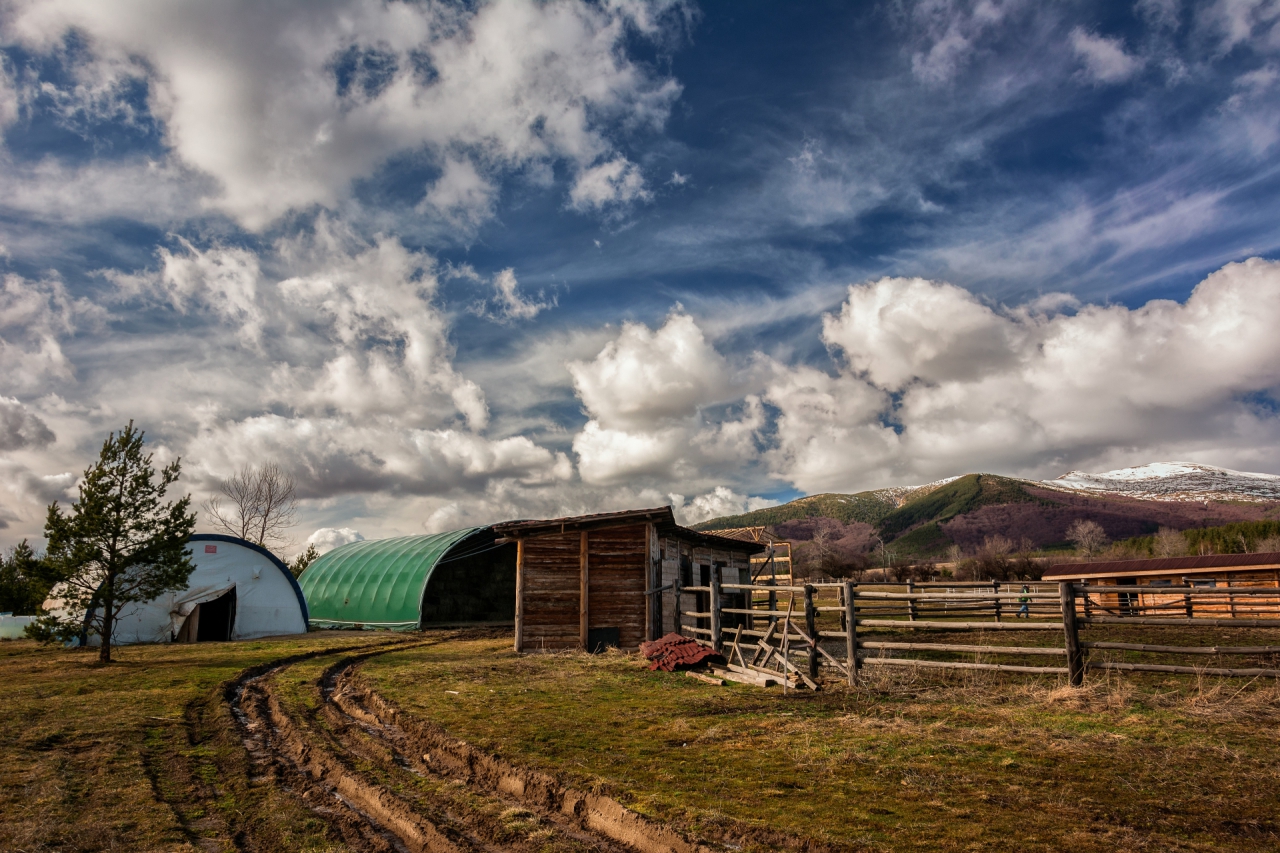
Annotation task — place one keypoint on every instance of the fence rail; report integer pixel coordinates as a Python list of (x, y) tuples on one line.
[(793, 641)]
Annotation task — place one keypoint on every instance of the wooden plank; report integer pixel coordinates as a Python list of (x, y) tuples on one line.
[(652, 606), (1187, 650), (719, 682), (935, 664), (956, 647), (715, 607), (755, 679), (851, 632), (1197, 591), (1186, 623), (811, 623), (584, 589), (1075, 654), (961, 626), (1186, 670), (519, 596), (764, 641)]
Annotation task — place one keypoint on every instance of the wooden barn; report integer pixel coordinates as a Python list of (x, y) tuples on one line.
[(1221, 571), (607, 580)]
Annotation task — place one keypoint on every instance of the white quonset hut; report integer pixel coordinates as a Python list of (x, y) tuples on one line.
[(237, 591)]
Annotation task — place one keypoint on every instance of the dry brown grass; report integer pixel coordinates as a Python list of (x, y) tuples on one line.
[(909, 760), (136, 756)]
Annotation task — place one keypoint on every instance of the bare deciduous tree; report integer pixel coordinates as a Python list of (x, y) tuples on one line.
[(1270, 545), (1169, 543), (993, 557), (1088, 536), (258, 504)]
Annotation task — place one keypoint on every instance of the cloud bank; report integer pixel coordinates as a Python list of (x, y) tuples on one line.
[(285, 106)]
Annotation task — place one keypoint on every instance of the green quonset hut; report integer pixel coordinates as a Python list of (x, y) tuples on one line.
[(410, 582)]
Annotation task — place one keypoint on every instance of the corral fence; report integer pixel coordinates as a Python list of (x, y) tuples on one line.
[(789, 633)]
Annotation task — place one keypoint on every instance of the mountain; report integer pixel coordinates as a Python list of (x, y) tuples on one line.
[(1174, 481), (927, 520), (865, 507)]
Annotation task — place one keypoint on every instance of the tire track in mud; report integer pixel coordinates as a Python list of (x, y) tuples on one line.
[(354, 760)]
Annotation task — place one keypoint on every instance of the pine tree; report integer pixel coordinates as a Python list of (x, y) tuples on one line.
[(119, 545), (303, 560), (23, 581)]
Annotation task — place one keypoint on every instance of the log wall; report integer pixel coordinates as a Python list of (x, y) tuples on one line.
[(550, 577), (616, 571), (1150, 603), (622, 564)]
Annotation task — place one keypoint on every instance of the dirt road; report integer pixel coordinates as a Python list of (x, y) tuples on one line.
[(385, 782)]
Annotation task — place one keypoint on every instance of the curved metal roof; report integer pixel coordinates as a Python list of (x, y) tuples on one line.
[(378, 583), (276, 561)]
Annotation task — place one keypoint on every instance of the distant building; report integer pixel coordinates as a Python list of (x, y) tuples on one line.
[(1216, 571), (597, 580), (237, 591)]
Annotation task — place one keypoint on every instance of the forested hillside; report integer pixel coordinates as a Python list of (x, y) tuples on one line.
[(973, 509)]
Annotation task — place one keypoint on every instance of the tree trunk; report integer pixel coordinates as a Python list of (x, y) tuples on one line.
[(108, 613)]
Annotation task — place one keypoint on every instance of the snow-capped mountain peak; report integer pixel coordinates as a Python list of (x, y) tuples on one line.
[(1174, 481)]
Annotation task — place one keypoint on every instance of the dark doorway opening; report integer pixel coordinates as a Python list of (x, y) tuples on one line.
[(1128, 600), (475, 582), (599, 639), (217, 618)]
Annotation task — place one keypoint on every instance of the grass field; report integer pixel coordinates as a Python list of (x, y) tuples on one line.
[(137, 756), (907, 763), (143, 756)]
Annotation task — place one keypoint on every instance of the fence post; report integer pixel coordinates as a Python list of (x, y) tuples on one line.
[(811, 623), (678, 621), (851, 632), (715, 607), (911, 602), (995, 589), (773, 596), (1186, 600), (1075, 655)]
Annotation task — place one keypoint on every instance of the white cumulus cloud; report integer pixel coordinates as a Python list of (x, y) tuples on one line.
[(285, 104), (1105, 59), (1020, 391), (327, 538)]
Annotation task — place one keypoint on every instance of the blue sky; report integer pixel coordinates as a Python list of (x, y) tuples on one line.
[(452, 263)]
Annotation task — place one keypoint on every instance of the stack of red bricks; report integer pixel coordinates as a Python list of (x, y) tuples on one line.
[(676, 651)]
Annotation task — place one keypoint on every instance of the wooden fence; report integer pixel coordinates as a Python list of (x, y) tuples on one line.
[(772, 633)]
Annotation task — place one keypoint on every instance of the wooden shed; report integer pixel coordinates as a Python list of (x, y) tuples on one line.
[(1220, 571), (606, 580)]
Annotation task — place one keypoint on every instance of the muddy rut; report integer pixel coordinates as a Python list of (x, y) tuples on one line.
[(385, 781)]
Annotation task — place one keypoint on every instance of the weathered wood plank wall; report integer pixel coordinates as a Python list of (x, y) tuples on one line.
[(614, 567), (550, 575), (616, 556)]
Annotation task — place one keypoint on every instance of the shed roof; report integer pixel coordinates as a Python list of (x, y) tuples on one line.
[(378, 582), (661, 516), (1165, 566)]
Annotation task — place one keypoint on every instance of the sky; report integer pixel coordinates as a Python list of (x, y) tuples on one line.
[(450, 263)]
